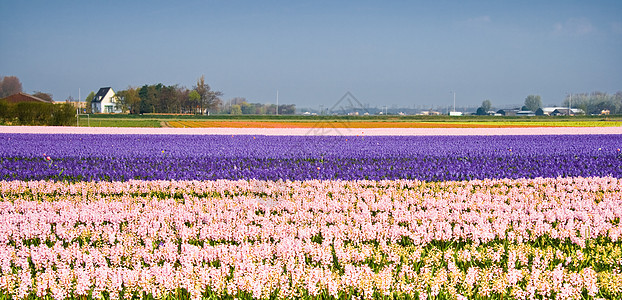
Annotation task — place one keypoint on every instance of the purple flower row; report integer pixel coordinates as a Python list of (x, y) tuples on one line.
[(205, 157)]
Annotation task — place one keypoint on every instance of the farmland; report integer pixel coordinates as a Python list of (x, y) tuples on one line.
[(211, 157), (313, 239), (194, 121), (255, 216)]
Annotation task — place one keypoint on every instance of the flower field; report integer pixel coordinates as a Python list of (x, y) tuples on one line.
[(390, 124), (312, 217), (551, 238), (76, 157)]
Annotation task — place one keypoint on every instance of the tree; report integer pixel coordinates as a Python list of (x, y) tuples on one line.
[(236, 109), (208, 99), (9, 85), (182, 99), (226, 106), (89, 102), (247, 108), (617, 103), (486, 105), (149, 98), (596, 102), (484, 109), (193, 101), (41, 95), (129, 100), (287, 109), (237, 100), (168, 99), (533, 102)]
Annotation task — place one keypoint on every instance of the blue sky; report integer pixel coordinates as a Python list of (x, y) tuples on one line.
[(401, 53)]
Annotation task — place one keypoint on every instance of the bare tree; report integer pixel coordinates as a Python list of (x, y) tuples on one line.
[(237, 100), (41, 95), (208, 99), (10, 85), (486, 105)]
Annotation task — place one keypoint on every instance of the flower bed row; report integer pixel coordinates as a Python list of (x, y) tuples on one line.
[(431, 158), (510, 239)]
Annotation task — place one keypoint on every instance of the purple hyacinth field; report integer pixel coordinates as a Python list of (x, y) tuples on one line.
[(209, 157)]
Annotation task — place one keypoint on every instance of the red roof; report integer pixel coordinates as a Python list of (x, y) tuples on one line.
[(23, 97)]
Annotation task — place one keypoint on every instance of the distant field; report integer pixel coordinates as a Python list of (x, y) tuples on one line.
[(114, 122), (385, 124), (220, 121)]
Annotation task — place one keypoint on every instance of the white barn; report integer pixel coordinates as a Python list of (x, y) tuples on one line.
[(105, 101)]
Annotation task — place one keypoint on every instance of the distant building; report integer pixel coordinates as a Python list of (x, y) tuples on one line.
[(508, 112), (105, 102), (567, 112), (545, 111), (23, 97), (558, 111), (525, 113), (455, 113), (76, 104), (429, 113)]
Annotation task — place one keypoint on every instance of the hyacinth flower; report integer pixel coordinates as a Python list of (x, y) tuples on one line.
[(48, 160)]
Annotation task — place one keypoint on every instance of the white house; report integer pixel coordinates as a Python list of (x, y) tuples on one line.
[(105, 102)]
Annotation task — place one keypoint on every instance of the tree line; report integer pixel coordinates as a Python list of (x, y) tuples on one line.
[(532, 103), (171, 99), (239, 106), (165, 99), (201, 99), (175, 99), (594, 103)]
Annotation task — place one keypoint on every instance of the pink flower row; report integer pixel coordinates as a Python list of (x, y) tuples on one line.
[(519, 238), (262, 281), (576, 209)]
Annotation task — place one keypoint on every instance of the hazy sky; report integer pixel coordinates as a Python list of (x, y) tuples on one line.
[(384, 52)]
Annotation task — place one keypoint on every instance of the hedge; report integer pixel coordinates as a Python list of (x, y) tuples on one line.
[(36, 113)]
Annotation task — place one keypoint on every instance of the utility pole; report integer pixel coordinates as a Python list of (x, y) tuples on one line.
[(454, 100), (277, 102)]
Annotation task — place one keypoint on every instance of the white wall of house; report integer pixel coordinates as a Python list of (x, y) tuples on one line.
[(107, 104)]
